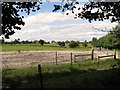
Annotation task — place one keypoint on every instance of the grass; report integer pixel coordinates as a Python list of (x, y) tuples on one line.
[(29, 47), (84, 74)]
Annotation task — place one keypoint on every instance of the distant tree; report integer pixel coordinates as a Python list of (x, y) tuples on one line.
[(77, 43), (67, 42), (94, 41), (14, 42), (85, 43), (73, 44), (48, 42), (19, 40), (41, 41), (23, 42), (62, 44)]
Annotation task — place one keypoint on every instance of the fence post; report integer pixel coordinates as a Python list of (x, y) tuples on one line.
[(92, 55), (56, 57), (74, 58), (107, 51), (71, 57), (117, 55), (41, 82), (114, 54), (98, 59)]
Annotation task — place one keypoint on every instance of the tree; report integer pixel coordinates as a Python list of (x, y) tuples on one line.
[(15, 42), (85, 43), (111, 40), (105, 10), (94, 41), (73, 44), (11, 19), (41, 41), (62, 44), (67, 42)]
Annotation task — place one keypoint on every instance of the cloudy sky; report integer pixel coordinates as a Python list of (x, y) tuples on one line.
[(47, 25)]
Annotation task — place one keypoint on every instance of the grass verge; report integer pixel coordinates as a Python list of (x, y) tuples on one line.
[(84, 74)]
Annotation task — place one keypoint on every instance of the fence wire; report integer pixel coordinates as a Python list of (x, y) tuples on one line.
[(33, 58)]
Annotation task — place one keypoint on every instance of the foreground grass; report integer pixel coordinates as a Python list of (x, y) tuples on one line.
[(28, 47), (85, 74)]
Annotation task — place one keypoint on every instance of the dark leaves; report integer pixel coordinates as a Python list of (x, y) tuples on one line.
[(106, 10), (11, 17), (57, 7)]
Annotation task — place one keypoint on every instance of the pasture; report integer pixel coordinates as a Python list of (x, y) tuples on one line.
[(83, 74), (37, 47)]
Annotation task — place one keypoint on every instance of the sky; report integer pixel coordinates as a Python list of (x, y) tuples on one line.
[(47, 25)]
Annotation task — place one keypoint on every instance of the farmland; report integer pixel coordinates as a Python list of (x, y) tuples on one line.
[(83, 74), (37, 47)]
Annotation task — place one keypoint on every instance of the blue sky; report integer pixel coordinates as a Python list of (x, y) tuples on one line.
[(47, 25)]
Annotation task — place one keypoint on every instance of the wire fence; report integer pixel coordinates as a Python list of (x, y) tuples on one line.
[(33, 58)]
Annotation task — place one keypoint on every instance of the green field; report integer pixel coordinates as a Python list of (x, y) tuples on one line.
[(29, 47), (85, 74)]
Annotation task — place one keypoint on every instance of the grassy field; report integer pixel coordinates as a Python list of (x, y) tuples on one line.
[(29, 47), (84, 74)]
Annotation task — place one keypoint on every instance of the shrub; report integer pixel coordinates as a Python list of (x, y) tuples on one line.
[(41, 41), (62, 44), (73, 44)]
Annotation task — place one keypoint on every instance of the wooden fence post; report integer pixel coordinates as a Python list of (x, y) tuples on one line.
[(98, 59), (41, 82), (114, 54), (107, 51), (92, 55), (71, 57), (117, 55), (75, 58), (56, 57)]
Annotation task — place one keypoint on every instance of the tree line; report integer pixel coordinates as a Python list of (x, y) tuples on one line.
[(71, 44), (110, 41)]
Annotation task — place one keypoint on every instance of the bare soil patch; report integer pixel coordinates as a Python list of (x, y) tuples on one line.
[(16, 59)]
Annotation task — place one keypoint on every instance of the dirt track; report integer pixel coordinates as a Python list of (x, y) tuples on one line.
[(32, 58)]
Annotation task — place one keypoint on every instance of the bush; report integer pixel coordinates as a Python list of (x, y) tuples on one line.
[(73, 44), (41, 41), (62, 44), (85, 43)]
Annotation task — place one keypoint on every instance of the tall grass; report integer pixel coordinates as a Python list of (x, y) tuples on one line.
[(84, 74)]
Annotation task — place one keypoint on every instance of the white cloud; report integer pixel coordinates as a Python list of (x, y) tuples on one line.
[(81, 32), (39, 27), (42, 18)]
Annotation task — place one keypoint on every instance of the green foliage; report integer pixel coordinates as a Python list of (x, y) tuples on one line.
[(41, 41), (85, 43), (73, 44), (111, 40), (94, 42), (62, 44), (84, 74)]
